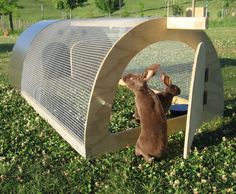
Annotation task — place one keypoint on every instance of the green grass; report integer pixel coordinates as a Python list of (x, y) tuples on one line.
[(31, 9), (6, 45), (35, 159), (225, 22)]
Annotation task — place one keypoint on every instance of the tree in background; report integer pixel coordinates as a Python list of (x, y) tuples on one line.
[(7, 7), (225, 8), (141, 9), (177, 10), (68, 5), (109, 6)]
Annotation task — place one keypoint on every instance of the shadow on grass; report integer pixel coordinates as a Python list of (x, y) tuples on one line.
[(227, 62), (211, 138), (6, 48), (208, 138), (230, 107)]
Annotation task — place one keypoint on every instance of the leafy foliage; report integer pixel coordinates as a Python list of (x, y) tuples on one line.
[(141, 9), (7, 8), (177, 9), (122, 110), (68, 4), (109, 6)]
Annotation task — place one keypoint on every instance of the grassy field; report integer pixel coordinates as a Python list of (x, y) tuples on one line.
[(32, 9), (35, 159)]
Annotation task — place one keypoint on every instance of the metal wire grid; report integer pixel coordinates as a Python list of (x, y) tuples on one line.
[(60, 68)]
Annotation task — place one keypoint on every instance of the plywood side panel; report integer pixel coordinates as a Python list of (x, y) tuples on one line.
[(117, 141), (187, 23), (117, 59), (195, 107), (198, 12), (176, 124)]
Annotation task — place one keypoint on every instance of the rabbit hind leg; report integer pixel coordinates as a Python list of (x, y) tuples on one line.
[(138, 151)]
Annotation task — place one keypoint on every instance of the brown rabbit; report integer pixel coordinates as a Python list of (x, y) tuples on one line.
[(148, 73), (165, 96), (169, 92), (152, 141)]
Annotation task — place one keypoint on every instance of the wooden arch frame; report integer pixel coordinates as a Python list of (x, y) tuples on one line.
[(98, 138)]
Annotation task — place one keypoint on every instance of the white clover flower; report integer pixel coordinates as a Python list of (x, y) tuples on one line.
[(19, 178), (214, 189), (176, 182), (172, 173), (224, 139), (203, 181), (234, 175), (195, 191), (226, 164), (37, 119), (224, 177), (2, 177), (20, 169), (28, 124), (140, 167), (205, 148), (230, 190), (66, 173)]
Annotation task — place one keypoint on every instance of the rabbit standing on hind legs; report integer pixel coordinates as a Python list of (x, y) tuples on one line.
[(152, 141), (165, 96)]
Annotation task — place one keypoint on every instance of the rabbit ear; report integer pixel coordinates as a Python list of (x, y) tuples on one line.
[(154, 68), (150, 71), (166, 79), (149, 74)]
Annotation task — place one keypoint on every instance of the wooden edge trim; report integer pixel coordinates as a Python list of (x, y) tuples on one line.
[(118, 22), (195, 108)]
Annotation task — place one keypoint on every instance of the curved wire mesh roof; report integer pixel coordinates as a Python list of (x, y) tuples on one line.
[(61, 66)]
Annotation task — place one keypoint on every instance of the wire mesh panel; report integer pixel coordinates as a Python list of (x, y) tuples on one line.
[(60, 68)]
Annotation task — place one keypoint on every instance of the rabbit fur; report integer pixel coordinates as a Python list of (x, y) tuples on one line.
[(165, 96), (152, 141)]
